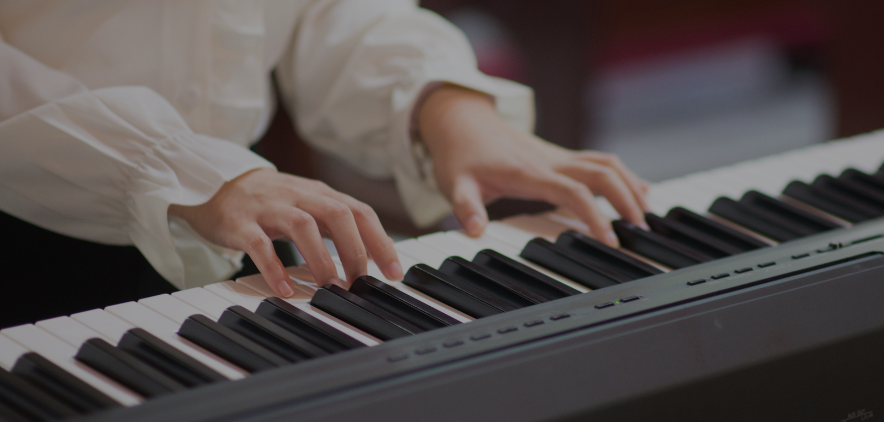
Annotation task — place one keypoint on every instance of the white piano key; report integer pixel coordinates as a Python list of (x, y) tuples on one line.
[(170, 307), (211, 305), (304, 289), (108, 325), (404, 260), (62, 354), (143, 317), (167, 330), (420, 252), (341, 326), (484, 242), (69, 330), (10, 351), (448, 246), (237, 293)]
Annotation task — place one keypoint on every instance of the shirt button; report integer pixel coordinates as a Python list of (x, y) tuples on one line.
[(191, 96)]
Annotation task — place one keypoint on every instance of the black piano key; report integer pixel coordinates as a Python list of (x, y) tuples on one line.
[(605, 255), (51, 378), (518, 272), (400, 304), (25, 399), (12, 414), (515, 294), (576, 267), (306, 326), (269, 335), (362, 314), (815, 197), (690, 237), (454, 292), (656, 247), (126, 369), (798, 220), (229, 344), (869, 201), (735, 238), (870, 183), (169, 360), (747, 217)]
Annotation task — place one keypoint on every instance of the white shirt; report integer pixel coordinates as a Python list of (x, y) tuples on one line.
[(111, 110)]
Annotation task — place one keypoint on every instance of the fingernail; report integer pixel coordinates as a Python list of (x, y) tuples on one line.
[(645, 226), (284, 289), (395, 271), (474, 225), (612, 239)]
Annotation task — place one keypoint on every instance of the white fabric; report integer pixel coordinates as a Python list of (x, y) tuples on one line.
[(111, 110)]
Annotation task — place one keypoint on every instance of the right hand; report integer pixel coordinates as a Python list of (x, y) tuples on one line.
[(262, 205)]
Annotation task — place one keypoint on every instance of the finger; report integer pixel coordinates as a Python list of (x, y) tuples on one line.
[(469, 209), (343, 231), (638, 187), (609, 183), (565, 192), (375, 239), (302, 229), (260, 248)]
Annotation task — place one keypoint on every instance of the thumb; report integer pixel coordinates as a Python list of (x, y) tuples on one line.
[(469, 209)]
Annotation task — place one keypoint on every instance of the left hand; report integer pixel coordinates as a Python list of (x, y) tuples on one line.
[(478, 158)]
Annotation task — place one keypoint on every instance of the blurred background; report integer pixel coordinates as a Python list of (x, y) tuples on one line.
[(672, 87)]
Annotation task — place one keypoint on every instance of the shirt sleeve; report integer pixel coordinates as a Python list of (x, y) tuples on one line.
[(354, 73), (104, 165)]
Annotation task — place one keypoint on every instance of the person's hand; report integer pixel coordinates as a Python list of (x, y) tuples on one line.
[(477, 158), (261, 205)]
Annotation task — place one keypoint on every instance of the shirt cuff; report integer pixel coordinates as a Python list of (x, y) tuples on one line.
[(413, 168)]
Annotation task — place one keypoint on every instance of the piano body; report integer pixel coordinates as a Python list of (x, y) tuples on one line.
[(703, 318)]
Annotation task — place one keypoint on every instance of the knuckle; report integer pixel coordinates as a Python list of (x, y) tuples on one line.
[(300, 221), (256, 243), (337, 210), (362, 210)]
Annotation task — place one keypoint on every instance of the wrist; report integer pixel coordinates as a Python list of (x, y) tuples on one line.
[(444, 109)]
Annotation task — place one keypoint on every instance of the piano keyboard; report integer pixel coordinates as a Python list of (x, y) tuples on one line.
[(97, 363)]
